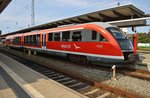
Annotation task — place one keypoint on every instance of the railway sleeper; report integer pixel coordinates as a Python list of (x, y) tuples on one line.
[(37, 68), (81, 87), (44, 71), (53, 75), (59, 77), (69, 82), (72, 83), (48, 73), (76, 84), (64, 80)]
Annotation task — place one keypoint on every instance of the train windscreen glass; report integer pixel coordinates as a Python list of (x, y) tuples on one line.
[(117, 33), (121, 38)]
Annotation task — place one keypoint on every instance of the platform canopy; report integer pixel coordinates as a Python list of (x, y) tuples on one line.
[(107, 15), (3, 4)]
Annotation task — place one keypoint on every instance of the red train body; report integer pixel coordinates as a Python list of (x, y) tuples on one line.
[(91, 41)]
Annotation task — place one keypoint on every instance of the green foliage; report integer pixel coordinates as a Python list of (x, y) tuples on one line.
[(143, 37), (144, 48)]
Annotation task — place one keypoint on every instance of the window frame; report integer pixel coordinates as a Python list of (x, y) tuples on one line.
[(17, 40), (55, 37), (66, 37), (94, 35), (32, 39), (52, 35), (78, 35)]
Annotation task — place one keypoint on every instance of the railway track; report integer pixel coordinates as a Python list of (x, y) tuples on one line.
[(81, 84), (137, 73)]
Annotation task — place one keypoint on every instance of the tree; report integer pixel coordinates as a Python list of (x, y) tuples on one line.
[(144, 37)]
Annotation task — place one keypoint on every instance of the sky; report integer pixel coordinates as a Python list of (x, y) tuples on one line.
[(17, 15)]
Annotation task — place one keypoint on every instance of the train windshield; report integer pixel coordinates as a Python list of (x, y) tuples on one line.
[(123, 41), (116, 32)]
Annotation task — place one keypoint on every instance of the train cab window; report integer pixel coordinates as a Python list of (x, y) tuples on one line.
[(77, 36), (56, 36), (94, 35), (66, 36), (50, 37), (116, 32), (102, 38)]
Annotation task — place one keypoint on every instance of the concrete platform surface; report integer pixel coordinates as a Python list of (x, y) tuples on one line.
[(145, 59), (9, 88), (35, 84), (5, 90)]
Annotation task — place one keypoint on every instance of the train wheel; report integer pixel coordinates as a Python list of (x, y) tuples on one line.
[(84, 60), (74, 58)]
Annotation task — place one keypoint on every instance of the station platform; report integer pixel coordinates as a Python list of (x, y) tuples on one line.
[(5, 90), (145, 58), (29, 83)]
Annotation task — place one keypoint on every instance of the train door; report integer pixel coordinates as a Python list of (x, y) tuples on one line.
[(44, 41)]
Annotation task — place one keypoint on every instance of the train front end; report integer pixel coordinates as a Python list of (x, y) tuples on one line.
[(124, 43)]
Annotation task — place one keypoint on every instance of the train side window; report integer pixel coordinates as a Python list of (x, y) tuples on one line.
[(7, 40), (14, 41), (34, 39), (38, 39), (77, 36), (57, 37), (102, 38), (94, 35), (25, 39), (66, 36), (50, 37), (28, 39), (17, 40)]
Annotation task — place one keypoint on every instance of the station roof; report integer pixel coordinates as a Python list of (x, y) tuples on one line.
[(107, 15), (3, 4)]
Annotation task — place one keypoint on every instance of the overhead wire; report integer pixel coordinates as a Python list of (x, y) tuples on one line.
[(27, 7), (22, 10)]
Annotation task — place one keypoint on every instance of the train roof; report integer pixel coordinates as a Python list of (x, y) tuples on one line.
[(77, 26), (112, 14)]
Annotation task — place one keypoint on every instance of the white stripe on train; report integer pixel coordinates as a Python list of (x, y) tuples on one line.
[(79, 53)]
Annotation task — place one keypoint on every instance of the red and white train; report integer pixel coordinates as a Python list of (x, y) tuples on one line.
[(95, 41)]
